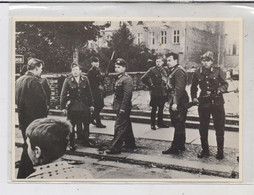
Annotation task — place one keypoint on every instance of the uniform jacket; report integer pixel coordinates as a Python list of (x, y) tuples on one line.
[(45, 86), (176, 84), (123, 93), (153, 79), (30, 99), (96, 83), (79, 94), (209, 80)]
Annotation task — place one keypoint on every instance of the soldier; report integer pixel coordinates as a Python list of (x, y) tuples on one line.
[(31, 103), (178, 98), (212, 83), (76, 98), (122, 106), (156, 78), (96, 82)]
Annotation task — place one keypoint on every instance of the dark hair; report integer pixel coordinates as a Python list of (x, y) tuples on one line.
[(33, 63), (94, 59), (160, 57), (51, 136), (175, 56)]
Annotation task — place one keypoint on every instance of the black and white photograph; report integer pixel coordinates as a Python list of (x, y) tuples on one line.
[(127, 99)]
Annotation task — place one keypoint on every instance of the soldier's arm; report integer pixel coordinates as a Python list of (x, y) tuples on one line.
[(46, 88), (127, 93), (194, 86), (146, 79), (180, 84), (39, 96), (223, 83), (89, 94), (64, 92)]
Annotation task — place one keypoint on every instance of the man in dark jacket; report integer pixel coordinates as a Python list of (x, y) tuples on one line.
[(76, 98), (122, 107), (96, 82), (31, 103), (155, 78), (212, 82), (178, 99)]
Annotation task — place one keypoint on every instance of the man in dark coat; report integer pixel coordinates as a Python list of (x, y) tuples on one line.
[(31, 103), (77, 102), (178, 99), (155, 78), (96, 82), (212, 82), (122, 106)]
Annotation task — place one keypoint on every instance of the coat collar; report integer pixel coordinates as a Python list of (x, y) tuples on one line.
[(120, 75), (202, 69), (81, 78)]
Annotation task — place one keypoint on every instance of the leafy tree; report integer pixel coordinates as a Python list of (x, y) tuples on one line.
[(54, 42)]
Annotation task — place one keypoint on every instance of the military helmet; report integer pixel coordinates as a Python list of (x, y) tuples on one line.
[(121, 62), (207, 56)]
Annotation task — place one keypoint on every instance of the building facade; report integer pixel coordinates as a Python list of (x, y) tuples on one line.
[(190, 39)]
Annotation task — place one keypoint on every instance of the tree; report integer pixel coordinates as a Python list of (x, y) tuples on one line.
[(122, 43), (54, 42)]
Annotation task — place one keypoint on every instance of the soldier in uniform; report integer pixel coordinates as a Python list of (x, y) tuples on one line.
[(156, 78), (122, 106), (77, 101), (31, 103), (212, 82), (178, 99), (96, 82)]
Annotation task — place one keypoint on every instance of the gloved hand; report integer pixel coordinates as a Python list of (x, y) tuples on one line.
[(195, 101), (174, 107), (121, 111)]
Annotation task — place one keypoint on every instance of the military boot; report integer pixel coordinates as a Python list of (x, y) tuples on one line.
[(205, 149), (220, 145)]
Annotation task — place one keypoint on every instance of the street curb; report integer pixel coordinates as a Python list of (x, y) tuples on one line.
[(166, 163)]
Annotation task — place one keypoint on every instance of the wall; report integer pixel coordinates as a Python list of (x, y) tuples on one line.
[(56, 82)]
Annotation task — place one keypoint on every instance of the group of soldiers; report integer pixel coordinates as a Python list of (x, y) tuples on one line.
[(169, 83), (82, 100)]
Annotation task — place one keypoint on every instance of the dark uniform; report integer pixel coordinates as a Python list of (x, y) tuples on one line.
[(79, 97), (177, 82), (211, 81), (31, 102), (45, 86), (30, 99), (156, 79), (122, 101), (96, 82)]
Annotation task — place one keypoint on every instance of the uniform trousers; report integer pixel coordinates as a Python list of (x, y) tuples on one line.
[(157, 102), (218, 114), (178, 119), (123, 132), (79, 118)]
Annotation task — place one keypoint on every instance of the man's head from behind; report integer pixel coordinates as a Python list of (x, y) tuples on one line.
[(35, 65), (47, 140)]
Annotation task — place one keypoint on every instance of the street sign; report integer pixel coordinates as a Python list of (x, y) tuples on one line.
[(19, 59)]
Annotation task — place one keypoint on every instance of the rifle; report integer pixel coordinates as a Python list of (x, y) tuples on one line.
[(190, 104), (108, 66)]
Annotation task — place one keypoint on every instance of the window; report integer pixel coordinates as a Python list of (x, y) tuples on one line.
[(152, 38), (176, 37), (139, 38), (163, 37)]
